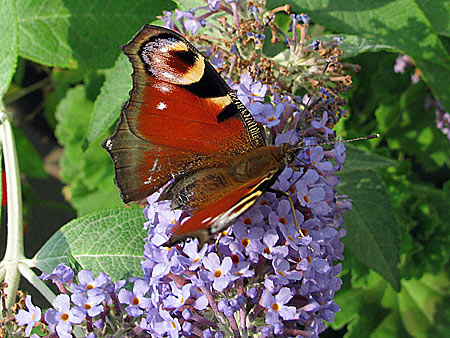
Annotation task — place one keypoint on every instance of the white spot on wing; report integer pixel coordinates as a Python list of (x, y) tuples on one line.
[(168, 75), (155, 163), (164, 89), (109, 144), (161, 106)]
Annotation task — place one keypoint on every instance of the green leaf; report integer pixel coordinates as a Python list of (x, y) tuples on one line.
[(89, 173), (73, 263), (108, 240), (372, 231), (423, 306), (8, 44), (359, 159), (437, 13), (424, 214), (84, 33), (113, 94), (188, 4), (410, 129), (367, 310), (354, 45), (400, 24), (73, 113), (30, 163)]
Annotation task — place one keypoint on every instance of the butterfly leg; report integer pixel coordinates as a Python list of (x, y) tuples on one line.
[(291, 202)]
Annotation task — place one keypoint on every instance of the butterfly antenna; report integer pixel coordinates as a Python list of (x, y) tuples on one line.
[(370, 137)]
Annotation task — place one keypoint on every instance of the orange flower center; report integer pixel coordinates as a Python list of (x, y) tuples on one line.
[(245, 242)]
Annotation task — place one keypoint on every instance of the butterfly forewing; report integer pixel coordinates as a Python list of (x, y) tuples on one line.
[(181, 116)]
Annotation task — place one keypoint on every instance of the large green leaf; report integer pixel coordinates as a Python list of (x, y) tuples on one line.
[(372, 231), (8, 44), (109, 240), (85, 33), (113, 95), (359, 159), (423, 306), (400, 24), (354, 45), (437, 11)]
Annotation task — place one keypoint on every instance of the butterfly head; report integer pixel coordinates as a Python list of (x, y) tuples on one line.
[(290, 151)]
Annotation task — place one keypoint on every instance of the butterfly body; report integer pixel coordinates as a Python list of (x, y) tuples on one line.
[(184, 124)]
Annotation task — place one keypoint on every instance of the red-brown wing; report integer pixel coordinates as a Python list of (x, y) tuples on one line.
[(221, 213), (181, 116)]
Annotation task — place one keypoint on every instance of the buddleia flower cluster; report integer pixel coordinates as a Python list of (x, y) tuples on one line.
[(275, 271)]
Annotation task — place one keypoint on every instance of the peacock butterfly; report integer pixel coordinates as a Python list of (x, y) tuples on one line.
[(183, 123)]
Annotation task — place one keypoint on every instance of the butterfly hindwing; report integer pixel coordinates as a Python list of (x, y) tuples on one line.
[(220, 213), (181, 116)]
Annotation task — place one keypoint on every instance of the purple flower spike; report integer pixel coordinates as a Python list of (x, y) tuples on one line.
[(90, 305), (179, 296), (168, 325), (61, 273), (284, 272), (219, 273), (135, 300), (87, 282), (276, 306), (30, 317), (61, 319), (195, 257)]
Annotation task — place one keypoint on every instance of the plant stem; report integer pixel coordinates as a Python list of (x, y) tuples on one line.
[(14, 243), (27, 90), (31, 277)]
